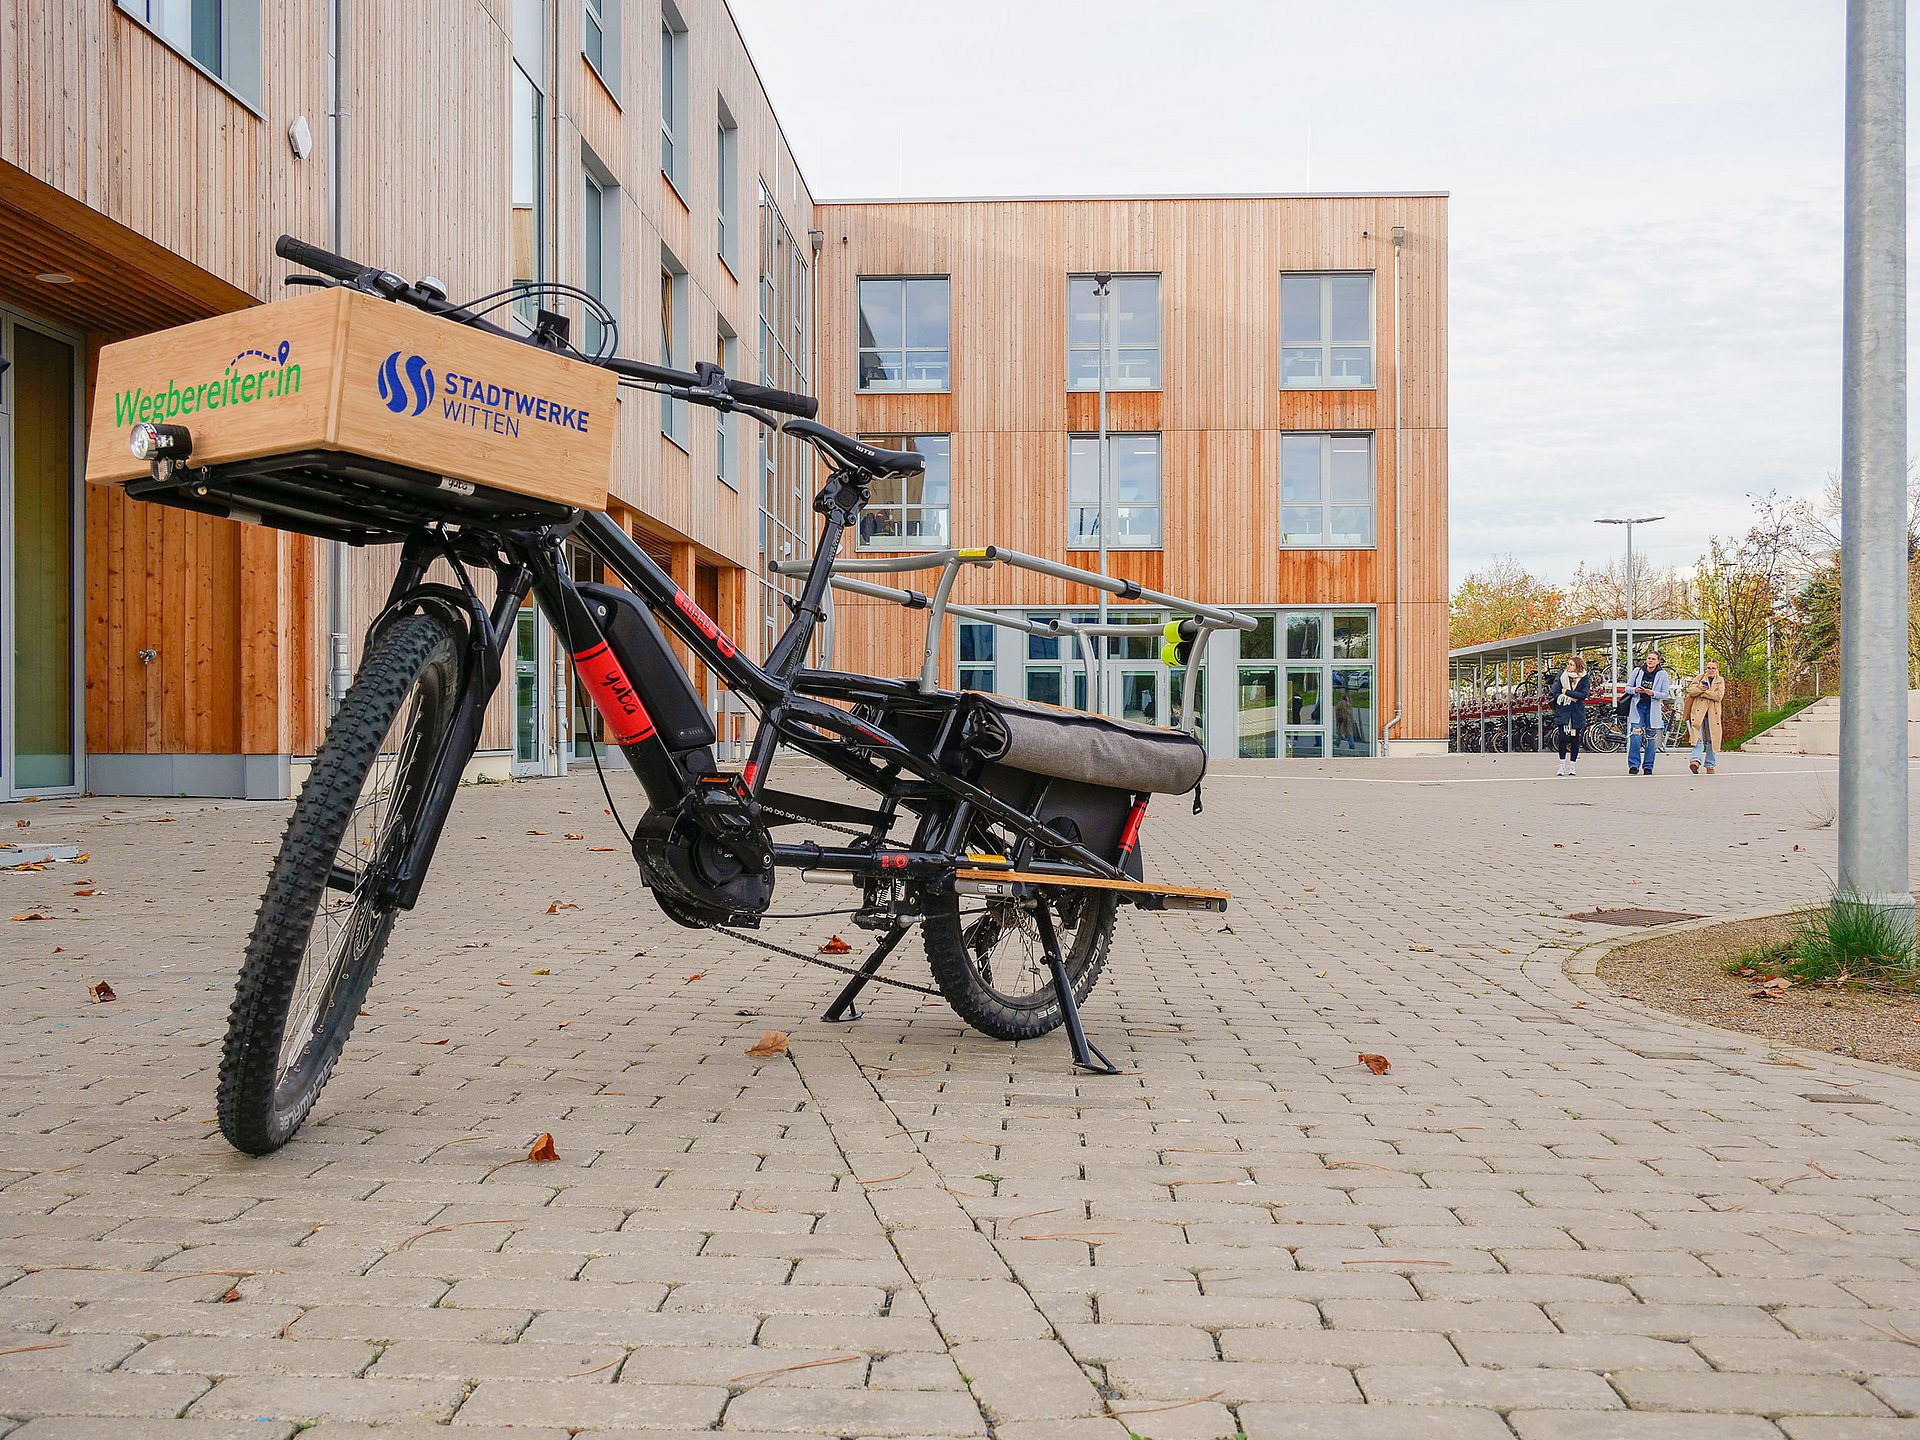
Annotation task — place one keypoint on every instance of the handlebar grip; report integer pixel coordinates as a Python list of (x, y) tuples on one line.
[(325, 262), (765, 396)]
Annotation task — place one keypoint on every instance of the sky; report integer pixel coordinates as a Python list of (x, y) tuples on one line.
[(1644, 224)]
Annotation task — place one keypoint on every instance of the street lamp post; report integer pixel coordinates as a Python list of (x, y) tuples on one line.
[(1636, 520), (1102, 289), (1873, 456)]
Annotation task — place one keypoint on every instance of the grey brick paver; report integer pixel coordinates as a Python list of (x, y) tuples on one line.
[(1545, 1203)]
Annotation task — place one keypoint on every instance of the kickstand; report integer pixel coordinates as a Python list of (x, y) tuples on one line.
[(842, 1009), (1086, 1056)]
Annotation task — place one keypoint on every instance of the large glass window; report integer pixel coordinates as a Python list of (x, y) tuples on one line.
[(726, 180), (222, 37), (1317, 701), (1133, 333), (527, 188), (726, 354), (599, 253), (1326, 490), (905, 334), (1133, 492), (1326, 331), (976, 655), (673, 97), (786, 362), (909, 512), (673, 342)]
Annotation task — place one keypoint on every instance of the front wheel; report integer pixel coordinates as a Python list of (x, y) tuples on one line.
[(326, 916), (988, 961)]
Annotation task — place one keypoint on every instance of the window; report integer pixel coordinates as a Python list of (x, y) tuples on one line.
[(1133, 492), (221, 37), (599, 250), (1326, 490), (726, 354), (909, 512), (1133, 333), (726, 179), (786, 462), (905, 335), (1326, 331), (673, 342), (976, 655), (527, 190), (673, 96), (600, 41)]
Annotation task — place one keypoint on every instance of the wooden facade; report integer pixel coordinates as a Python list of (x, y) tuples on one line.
[(159, 191), (1220, 410)]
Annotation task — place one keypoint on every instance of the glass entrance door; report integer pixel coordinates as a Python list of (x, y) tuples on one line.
[(529, 715), (40, 713)]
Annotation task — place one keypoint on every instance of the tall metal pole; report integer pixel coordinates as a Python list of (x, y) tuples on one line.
[(1873, 448), (1630, 523), (1102, 284)]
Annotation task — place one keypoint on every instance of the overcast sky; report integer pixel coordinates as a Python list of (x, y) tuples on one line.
[(1645, 215)]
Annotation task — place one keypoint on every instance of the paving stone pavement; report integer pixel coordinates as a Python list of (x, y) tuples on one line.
[(1558, 1217)]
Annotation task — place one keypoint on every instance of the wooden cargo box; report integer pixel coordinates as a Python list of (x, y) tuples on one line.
[(338, 370)]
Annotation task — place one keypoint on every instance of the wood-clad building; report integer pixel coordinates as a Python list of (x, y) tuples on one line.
[(151, 150), (1253, 363)]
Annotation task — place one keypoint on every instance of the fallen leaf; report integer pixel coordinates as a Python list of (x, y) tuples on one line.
[(433, 1042), (1378, 1064), (571, 836), (697, 975), (1319, 974), (33, 917), (543, 1149), (559, 905), (770, 1044), (563, 1024), (507, 984), (836, 946), (100, 992), (230, 1296), (365, 1013), (85, 894), (600, 849), (543, 972), (536, 832)]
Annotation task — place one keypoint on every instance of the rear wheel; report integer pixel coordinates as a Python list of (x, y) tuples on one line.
[(325, 917), (989, 963)]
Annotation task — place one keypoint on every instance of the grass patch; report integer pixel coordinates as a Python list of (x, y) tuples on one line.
[(1767, 719), (1849, 944)]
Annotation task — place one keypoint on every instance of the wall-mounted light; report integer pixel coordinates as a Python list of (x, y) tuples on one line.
[(54, 277), (300, 137)]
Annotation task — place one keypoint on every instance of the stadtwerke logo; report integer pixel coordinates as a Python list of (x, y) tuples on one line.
[(414, 393)]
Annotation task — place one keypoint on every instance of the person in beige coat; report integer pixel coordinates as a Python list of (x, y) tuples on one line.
[(1702, 716)]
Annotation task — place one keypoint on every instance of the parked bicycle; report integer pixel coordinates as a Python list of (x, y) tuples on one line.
[(1022, 822)]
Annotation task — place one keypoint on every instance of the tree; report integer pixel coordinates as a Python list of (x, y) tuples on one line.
[(1601, 594), (1502, 601)]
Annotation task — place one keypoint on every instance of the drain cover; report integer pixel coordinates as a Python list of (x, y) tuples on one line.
[(1633, 917)]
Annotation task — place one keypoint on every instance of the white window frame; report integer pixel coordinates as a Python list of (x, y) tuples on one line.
[(1326, 504), (1078, 537), (726, 461), (906, 383), (903, 509), (1326, 344), (596, 183), (1115, 379)]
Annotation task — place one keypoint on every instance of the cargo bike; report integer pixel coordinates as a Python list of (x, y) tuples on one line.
[(379, 412)]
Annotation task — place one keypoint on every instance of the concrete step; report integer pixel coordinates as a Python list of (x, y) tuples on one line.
[(1816, 730)]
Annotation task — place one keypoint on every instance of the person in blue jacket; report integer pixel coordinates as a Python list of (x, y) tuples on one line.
[(1648, 689)]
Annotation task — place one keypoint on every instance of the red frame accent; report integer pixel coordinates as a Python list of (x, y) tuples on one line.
[(613, 694)]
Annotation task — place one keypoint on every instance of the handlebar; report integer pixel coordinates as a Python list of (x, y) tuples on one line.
[(710, 385)]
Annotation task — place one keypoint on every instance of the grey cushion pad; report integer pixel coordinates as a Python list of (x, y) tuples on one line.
[(1093, 749)]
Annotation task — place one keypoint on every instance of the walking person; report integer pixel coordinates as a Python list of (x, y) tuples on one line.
[(1702, 714), (1570, 711), (1648, 690)]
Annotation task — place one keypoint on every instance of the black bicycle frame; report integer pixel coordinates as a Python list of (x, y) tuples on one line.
[(792, 699)]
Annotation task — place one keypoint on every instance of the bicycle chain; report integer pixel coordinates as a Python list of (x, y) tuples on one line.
[(824, 964), (815, 959)]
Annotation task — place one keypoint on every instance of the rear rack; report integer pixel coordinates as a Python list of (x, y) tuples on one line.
[(339, 496), (1208, 618)]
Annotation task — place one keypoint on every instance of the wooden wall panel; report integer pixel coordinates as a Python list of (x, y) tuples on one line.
[(1221, 414)]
